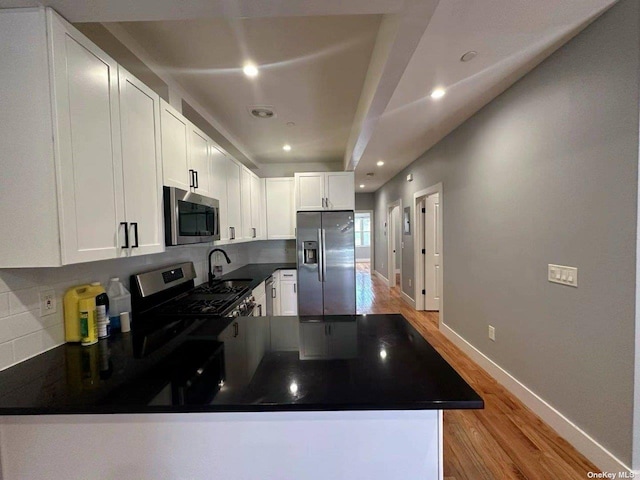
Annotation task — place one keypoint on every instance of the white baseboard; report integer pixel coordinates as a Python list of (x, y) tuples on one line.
[(381, 277), (585, 444), (409, 300)]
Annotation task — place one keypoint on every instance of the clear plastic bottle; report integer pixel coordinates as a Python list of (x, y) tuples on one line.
[(119, 302)]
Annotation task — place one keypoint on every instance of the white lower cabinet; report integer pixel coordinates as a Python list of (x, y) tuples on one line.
[(288, 292)]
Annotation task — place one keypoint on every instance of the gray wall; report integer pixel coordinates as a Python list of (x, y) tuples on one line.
[(365, 201), (547, 173)]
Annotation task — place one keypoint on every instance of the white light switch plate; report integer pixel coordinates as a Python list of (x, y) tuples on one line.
[(563, 275)]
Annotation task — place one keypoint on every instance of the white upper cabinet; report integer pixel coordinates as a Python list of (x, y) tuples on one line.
[(60, 140), (256, 207), (325, 191), (280, 209), (218, 170), (234, 220), (245, 204), (175, 148), (340, 191), (199, 161), (310, 191), (141, 165), (85, 84)]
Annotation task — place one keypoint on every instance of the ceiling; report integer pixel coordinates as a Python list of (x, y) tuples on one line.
[(311, 71), (510, 36), (355, 76)]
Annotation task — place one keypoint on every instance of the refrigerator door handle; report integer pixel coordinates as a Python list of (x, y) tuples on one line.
[(324, 254), (320, 256)]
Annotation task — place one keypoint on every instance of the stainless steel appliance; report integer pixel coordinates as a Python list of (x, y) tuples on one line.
[(166, 300), (270, 291), (326, 263), (189, 217)]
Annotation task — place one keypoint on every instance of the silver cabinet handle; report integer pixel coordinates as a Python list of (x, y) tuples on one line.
[(260, 310), (273, 292), (294, 288), (232, 233), (255, 233), (236, 329)]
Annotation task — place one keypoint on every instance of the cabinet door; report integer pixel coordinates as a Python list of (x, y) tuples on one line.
[(309, 191), (175, 145), (245, 204), (87, 126), (256, 206), (199, 150), (141, 164), (340, 191), (234, 338), (280, 210), (288, 298), (233, 201), (314, 341), (275, 295), (218, 172)]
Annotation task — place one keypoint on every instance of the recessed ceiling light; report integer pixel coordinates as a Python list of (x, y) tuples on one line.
[(362, 185), (437, 93), (287, 147), (250, 70), (380, 163), (291, 124), (470, 55)]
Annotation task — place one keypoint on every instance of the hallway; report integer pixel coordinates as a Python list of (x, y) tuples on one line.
[(505, 440)]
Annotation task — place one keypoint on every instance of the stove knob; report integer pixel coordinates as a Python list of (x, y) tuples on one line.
[(235, 313)]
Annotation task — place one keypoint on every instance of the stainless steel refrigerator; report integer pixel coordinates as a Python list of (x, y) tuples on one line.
[(326, 263)]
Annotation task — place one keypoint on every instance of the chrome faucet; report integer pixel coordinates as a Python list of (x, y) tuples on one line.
[(211, 274)]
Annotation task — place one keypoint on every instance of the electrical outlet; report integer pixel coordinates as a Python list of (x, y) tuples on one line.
[(492, 333), (48, 304), (409, 282)]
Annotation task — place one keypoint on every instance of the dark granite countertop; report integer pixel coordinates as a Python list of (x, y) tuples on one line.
[(362, 362)]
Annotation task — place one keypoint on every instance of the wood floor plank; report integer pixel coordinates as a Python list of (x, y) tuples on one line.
[(505, 440)]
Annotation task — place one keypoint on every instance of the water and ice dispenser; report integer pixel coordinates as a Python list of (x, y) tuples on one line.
[(310, 252)]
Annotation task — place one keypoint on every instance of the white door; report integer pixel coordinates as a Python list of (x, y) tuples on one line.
[(175, 145), (141, 164), (89, 152), (288, 298), (199, 151), (245, 203), (433, 243), (393, 236), (340, 191), (218, 171), (233, 201), (310, 193), (281, 215)]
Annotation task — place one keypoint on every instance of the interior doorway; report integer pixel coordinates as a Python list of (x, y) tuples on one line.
[(429, 249), (394, 244)]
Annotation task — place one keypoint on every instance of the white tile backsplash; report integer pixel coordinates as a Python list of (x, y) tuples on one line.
[(24, 334), (4, 305)]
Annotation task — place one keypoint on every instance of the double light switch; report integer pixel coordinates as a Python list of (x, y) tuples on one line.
[(563, 275)]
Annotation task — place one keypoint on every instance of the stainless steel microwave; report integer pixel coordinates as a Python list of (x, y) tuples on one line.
[(189, 217)]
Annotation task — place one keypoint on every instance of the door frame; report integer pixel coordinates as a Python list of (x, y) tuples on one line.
[(418, 198), (372, 258), (391, 273)]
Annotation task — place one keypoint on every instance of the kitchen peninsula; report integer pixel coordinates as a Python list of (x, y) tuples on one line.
[(340, 397)]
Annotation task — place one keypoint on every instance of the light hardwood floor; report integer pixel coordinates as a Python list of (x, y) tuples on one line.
[(506, 440)]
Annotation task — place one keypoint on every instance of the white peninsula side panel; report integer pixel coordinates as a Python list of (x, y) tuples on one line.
[(376, 445)]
